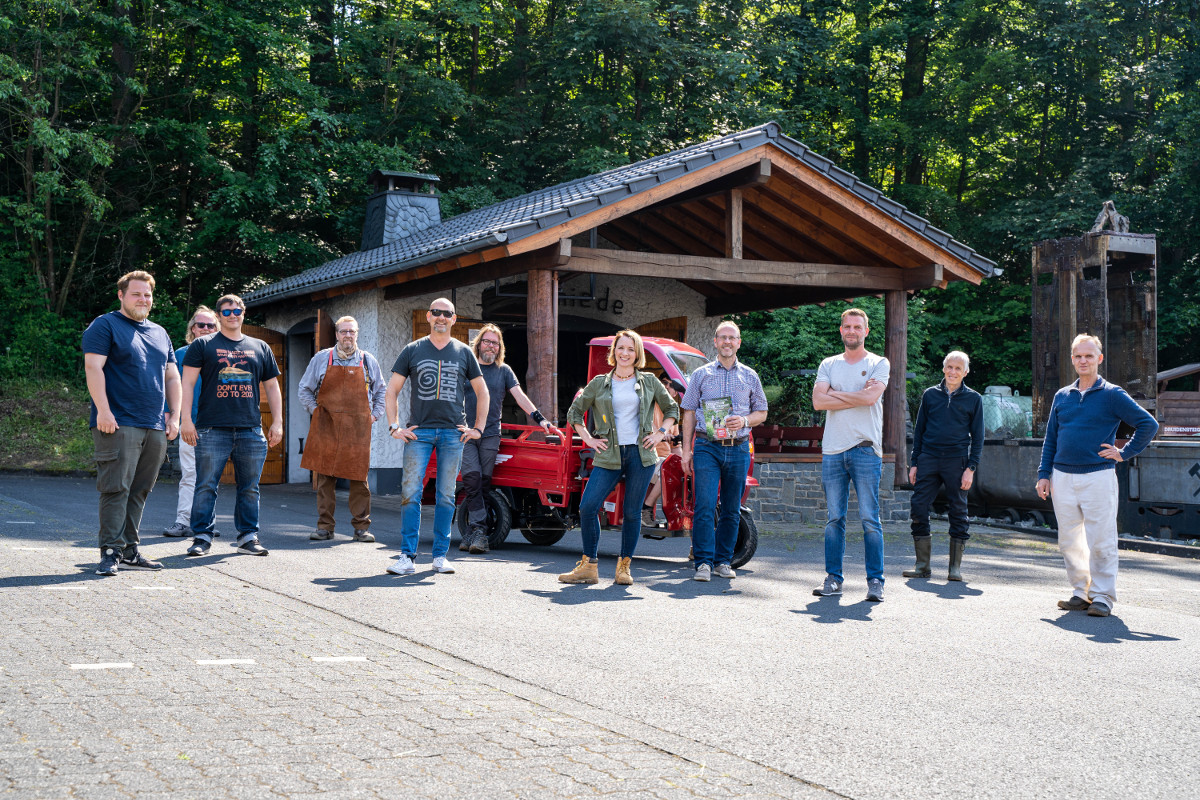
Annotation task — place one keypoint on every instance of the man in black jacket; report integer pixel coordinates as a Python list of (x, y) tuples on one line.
[(947, 443)]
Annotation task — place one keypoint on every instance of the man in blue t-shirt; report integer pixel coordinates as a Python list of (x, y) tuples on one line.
[(441, 367), (1079, 468), (131, 376), (232, 369)]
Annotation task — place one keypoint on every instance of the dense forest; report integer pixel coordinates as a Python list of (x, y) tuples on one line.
[(223, 145)]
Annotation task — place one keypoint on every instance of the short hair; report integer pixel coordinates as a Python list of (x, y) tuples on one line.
[(1087, 337), (136, 275), (445, 300), (190, 337), (637, 342), (856, 312), (231, 298), (344, 319), (728, 323), (958, 355), (489, 327)]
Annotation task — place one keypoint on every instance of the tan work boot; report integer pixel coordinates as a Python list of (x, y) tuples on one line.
[(623, 577), (586, 571)]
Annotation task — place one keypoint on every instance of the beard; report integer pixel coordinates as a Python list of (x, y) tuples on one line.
[(487, 357), (137, 313)]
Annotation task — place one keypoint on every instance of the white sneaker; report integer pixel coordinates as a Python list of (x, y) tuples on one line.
[(403, 565), (443, 566), (703, 573), (724, 571)]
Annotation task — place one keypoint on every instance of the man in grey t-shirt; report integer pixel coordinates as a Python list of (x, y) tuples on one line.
[(441, 368), (479, 455), (849, 388)]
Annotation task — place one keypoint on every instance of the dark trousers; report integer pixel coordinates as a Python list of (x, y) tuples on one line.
[(127, 463), (360, 503), (933, 473), (478, 463)]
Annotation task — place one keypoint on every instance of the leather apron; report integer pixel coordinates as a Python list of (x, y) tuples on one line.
[(339, 436)]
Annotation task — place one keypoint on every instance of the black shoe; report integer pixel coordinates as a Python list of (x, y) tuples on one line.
[(1074, 604), (108, 562), (139, 561), (1099, 609), (479, 544), (199, 547), (253, 548), (464, 542)]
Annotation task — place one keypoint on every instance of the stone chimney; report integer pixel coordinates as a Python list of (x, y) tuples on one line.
[(402, 204)]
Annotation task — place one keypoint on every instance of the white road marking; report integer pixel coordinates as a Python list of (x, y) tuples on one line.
[(66, 588), (113, 665), (217, 662), (31, 548), (19, 522), (339, 658)]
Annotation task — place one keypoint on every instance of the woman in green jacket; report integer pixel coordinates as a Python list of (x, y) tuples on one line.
[(622, 404)]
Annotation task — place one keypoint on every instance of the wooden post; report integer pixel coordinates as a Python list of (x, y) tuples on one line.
[(542, 337), (733, 223), (894, 397)]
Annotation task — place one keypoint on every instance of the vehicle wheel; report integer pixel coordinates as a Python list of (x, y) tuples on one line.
[(747, 540), (546, 529), (499, 518)]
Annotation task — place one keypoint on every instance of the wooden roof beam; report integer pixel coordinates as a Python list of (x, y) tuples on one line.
[(748, 177), (777, 298)]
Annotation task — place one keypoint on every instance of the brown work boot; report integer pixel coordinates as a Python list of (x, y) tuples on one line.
[(623, 577), (586, 571)]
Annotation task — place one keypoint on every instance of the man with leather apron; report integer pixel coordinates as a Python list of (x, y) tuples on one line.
[(343, 389)]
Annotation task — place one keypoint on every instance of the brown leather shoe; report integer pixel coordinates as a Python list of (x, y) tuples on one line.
[(586, 571)]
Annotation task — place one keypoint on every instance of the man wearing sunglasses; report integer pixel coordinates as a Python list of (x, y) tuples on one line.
[(441, 368), (202, 323), (232, 370), (479, 455), (342, 389)]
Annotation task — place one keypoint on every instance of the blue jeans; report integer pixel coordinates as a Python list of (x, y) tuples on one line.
[(247, 447), (600, 485), (449, 447), (861, 465), (720, 476)]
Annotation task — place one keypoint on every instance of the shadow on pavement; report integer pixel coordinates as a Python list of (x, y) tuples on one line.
[(830, 609), (951, 590), (573, 594), (384, 578), (1105, 630)]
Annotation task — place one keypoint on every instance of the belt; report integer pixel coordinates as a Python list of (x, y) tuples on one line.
[(731, 442)]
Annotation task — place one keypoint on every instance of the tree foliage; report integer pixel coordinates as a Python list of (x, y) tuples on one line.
[(224, 145)]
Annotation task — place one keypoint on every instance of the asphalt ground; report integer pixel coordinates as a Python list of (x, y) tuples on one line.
[(211, 678)]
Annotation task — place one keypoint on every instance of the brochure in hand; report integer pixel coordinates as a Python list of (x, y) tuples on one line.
[(715, 412)]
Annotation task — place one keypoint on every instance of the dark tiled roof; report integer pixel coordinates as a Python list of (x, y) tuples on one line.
[(514, 219)]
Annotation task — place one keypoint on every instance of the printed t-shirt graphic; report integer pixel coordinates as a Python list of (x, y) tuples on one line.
[(231, 374)]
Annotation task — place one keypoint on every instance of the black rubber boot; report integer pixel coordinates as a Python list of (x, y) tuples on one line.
[(956, 550), (923, 545)]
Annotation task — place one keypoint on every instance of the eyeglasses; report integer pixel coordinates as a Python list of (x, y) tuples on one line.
[(350, 332), (205, 326), (441, 312), (489, 343), (235, 312)]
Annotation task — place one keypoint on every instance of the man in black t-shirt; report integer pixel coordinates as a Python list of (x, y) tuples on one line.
[(441, 367), (479, 455), (130, 370), (233, 368)]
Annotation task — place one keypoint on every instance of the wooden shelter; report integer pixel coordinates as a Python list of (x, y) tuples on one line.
[(750, 221)]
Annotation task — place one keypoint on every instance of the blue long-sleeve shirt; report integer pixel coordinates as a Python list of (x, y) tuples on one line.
[(1080, 422), (949, 424)]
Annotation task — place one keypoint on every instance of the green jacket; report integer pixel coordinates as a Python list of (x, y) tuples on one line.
[(597, 396)]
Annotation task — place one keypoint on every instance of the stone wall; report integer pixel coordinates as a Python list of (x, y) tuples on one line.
[(790, 493)]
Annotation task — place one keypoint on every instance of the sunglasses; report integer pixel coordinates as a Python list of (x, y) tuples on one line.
[(205, 325), (441, 312), (226, 312)]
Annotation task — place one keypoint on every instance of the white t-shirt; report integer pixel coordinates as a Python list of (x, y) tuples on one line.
[(848, 427), (626, 408)]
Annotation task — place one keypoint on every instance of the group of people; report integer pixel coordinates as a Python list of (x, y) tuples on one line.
[(140, 400)]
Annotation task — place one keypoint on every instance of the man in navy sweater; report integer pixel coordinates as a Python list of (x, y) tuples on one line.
[(1078, 469), (947, 443)]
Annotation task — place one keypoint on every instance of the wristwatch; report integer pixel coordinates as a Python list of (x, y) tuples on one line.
[(663, 430), (395, 426), (970, 468)]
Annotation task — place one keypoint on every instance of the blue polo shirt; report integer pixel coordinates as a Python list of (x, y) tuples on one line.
[(135, 370), (1082, 421)]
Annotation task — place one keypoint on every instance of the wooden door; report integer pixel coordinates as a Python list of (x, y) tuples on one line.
[(672, 328), (274, 468)]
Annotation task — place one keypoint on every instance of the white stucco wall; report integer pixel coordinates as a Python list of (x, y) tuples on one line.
[(385, 326)]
